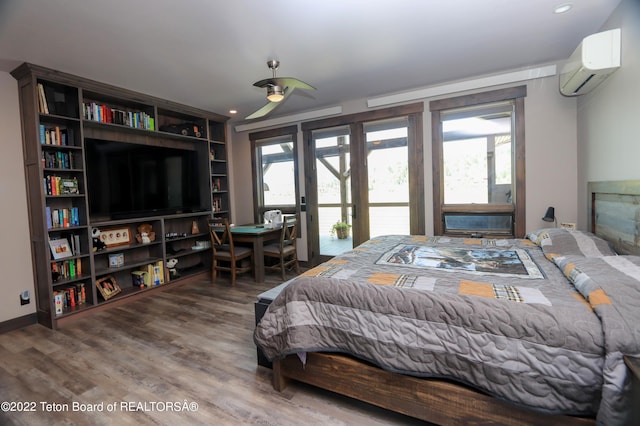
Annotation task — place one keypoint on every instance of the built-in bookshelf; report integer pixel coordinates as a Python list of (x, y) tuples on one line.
[(219, 171), (83, 257)]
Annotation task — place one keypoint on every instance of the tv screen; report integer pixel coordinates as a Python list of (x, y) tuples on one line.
[(127, 180)]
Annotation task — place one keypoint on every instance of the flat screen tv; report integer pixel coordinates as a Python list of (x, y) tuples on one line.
[(128, 180)]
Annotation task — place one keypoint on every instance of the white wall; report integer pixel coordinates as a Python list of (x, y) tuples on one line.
[(551, 160), (15, 252), (609, 117)]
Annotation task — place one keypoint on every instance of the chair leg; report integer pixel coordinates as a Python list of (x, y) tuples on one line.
[(282, 268), (214, 269), (233, 272)]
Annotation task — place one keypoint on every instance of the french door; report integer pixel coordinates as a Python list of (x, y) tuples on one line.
[(362, 174)]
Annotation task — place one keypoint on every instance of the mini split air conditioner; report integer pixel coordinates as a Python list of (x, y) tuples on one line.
[(597, 57)]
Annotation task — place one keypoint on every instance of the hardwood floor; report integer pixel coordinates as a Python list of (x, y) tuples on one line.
[(182, 356)]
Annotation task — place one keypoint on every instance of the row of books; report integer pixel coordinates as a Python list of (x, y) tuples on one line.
[(69, 297), (105, 114), (150, 276), (59, 160), (57, 135), (62, 218), (66, 269), (57, 185)]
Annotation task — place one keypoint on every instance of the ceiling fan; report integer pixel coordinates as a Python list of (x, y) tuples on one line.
[(278, 89)]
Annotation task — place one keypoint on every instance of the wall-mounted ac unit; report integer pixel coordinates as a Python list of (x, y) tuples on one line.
[(593, 61)]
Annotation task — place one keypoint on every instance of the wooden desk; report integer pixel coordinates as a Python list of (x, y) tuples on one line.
[(257, 236)]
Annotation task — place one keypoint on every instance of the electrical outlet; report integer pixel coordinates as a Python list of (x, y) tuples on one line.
[(25, 297)]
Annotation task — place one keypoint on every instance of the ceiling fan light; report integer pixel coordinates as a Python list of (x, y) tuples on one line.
[(275, 93)]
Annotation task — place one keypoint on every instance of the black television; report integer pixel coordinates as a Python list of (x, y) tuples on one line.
[(129, 180)]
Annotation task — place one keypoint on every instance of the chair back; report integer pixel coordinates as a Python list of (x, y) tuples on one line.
[(220, 233), (289, 232)]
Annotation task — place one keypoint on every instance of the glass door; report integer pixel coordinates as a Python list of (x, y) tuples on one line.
[(381, 206), (332, 156), (364, 178), (387, 168)]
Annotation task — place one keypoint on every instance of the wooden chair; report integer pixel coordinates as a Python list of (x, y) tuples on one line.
[(225, 256), (285, 250)]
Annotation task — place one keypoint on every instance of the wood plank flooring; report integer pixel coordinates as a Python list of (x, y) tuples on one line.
[(184, 356)]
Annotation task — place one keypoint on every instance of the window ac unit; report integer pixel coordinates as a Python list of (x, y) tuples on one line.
[(591, 63)]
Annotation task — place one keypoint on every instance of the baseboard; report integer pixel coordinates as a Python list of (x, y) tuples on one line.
[(16, 323)]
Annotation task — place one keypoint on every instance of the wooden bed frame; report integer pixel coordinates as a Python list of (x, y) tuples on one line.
[(445, 402), (433, 400)]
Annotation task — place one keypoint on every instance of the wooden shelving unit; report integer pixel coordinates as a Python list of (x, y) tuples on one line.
[(61, 114)]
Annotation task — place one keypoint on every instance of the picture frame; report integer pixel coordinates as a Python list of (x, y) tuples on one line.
[(60, 248), (116, 260), (108, 287), (114, 237), (69, 186)]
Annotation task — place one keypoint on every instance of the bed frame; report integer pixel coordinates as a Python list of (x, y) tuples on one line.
[(445, 402)]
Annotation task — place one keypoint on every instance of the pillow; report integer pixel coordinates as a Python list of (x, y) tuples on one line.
[(563, 242)]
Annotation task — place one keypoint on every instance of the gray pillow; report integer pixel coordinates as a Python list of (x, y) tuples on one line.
[(563, 242)]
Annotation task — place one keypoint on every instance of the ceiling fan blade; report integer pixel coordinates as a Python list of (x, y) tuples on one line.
[(265, 83), (263, 111), (270, 106), (291, 82)]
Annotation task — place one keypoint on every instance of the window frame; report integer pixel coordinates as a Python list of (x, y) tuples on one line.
[(270, 137), (517, 208)]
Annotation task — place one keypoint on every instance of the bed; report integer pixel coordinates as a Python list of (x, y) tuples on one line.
[(460, 331)]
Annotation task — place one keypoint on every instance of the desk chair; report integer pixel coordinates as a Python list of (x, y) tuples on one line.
[(225, 256), (285, 250)]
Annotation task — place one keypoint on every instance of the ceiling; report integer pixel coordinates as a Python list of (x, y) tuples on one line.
[(208, 53)]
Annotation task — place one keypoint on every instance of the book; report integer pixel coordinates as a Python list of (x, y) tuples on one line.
[(58, 297), (67, 137), (81, 295), (42, 100), (48, 214), (72, 296), (76, 247)]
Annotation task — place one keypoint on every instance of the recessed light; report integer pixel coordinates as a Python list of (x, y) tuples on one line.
[(233, 111), (562, 8)]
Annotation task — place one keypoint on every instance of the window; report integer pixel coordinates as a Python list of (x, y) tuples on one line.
[(478, 156), (275, 168)]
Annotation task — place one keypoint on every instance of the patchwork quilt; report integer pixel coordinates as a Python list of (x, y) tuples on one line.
[(539, 325)]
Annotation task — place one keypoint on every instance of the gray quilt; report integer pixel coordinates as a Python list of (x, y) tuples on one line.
[(503, 316)]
